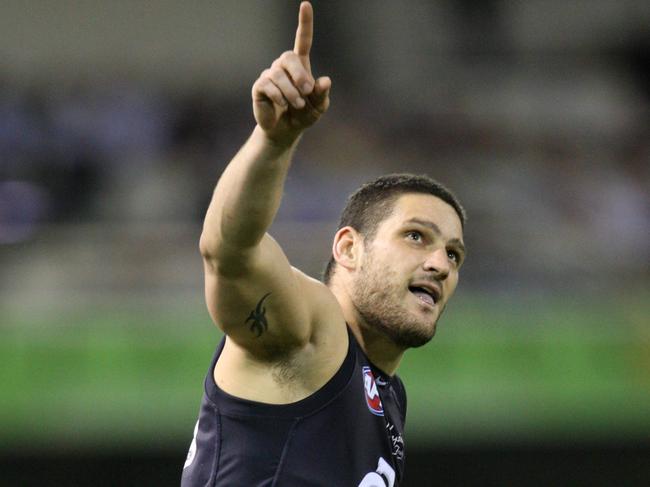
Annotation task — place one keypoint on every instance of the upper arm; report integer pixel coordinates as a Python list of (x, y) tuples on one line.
[(260, 301)]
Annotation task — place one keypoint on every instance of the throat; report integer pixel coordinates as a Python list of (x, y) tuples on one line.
[(383, 353)]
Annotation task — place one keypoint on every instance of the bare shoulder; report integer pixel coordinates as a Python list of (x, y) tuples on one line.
[(289, 375), (327, 314)]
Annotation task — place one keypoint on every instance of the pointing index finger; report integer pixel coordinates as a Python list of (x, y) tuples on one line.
[(305, 33)]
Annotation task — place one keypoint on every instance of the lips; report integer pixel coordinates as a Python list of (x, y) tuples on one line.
[(423, 296), (426, 292)]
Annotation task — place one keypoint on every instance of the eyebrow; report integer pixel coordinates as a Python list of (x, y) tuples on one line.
[(436, 229)]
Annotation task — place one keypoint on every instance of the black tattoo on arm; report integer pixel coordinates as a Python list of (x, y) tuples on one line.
[(258, 318)]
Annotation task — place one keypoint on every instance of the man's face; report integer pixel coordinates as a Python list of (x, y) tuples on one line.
[(409, 270)]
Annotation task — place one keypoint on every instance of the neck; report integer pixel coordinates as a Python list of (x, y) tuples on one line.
[(381, 351)]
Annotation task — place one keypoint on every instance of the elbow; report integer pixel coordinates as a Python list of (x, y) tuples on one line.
[(207, 246), (234, 240), (212, 251)]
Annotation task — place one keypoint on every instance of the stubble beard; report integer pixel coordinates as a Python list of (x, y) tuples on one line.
[(376, 296)]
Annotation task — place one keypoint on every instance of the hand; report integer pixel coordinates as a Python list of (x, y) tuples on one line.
[(286, 98)]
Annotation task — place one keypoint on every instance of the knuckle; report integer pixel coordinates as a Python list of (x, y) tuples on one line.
[(263, 75), (301, 78), (310, 81), (286, 56), (276, 74), (261, 81), (257, 86), (263, 86)]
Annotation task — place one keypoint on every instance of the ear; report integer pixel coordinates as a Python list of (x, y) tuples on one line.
[(346, 248)]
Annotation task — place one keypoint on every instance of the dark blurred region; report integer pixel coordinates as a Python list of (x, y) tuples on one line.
[(497, 465), (116, 121)]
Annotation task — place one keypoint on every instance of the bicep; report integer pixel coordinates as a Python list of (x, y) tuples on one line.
[(256, 299)]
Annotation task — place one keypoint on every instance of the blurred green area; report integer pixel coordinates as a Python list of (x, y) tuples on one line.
[(499, 369)]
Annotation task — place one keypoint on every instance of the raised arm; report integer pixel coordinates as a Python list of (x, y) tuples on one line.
[(252, 292)]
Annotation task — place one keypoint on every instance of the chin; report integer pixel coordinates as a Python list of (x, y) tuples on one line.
[(397, 317), (413, 339), (410, 335)]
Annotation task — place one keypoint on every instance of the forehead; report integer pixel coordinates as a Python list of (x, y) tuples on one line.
[(428, 208)]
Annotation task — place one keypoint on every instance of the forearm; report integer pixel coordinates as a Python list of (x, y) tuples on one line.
[(286, 101), (247, 196)]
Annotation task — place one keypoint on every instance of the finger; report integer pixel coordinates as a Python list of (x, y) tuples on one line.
[(304, 33), (264, 90), (320, 97), (265, 115), (302, 78), (281, 79)]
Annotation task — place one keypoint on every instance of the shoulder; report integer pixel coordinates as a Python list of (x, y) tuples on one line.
[(327, 315)]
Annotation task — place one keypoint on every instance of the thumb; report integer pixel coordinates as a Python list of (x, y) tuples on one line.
[(320, 96)]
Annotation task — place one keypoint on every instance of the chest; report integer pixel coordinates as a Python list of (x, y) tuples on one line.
[(291, 379), (355, 435), (358, 443)]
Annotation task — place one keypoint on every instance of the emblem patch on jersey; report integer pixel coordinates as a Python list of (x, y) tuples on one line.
[(372, 394)]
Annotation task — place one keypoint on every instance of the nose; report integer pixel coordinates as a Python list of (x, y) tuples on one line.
[(438, 263)]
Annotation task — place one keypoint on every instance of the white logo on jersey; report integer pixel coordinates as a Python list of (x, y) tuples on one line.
[(192, 453), (371, 387), (384, 476), (396, 440)]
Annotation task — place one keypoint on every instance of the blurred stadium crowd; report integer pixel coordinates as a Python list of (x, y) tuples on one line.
[(536, 113)]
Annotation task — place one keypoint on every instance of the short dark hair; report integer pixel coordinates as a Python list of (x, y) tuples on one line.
[(369, 205)]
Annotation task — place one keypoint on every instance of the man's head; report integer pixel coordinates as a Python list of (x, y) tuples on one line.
[(399, 244), (373, 202)]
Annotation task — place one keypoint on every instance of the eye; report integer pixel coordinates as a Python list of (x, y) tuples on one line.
[(414, 236), (453, 256)]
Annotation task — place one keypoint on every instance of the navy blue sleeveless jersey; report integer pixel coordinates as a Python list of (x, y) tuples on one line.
[(349, 433)]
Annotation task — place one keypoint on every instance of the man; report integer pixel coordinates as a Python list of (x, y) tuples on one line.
[(302, 391)]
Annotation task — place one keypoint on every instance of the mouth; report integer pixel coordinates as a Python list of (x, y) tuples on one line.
[(428, 294)]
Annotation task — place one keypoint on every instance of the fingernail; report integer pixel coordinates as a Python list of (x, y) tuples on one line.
[(306, 88), (299, 103)]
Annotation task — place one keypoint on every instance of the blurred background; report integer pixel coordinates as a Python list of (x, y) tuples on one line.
[(116, 119)]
